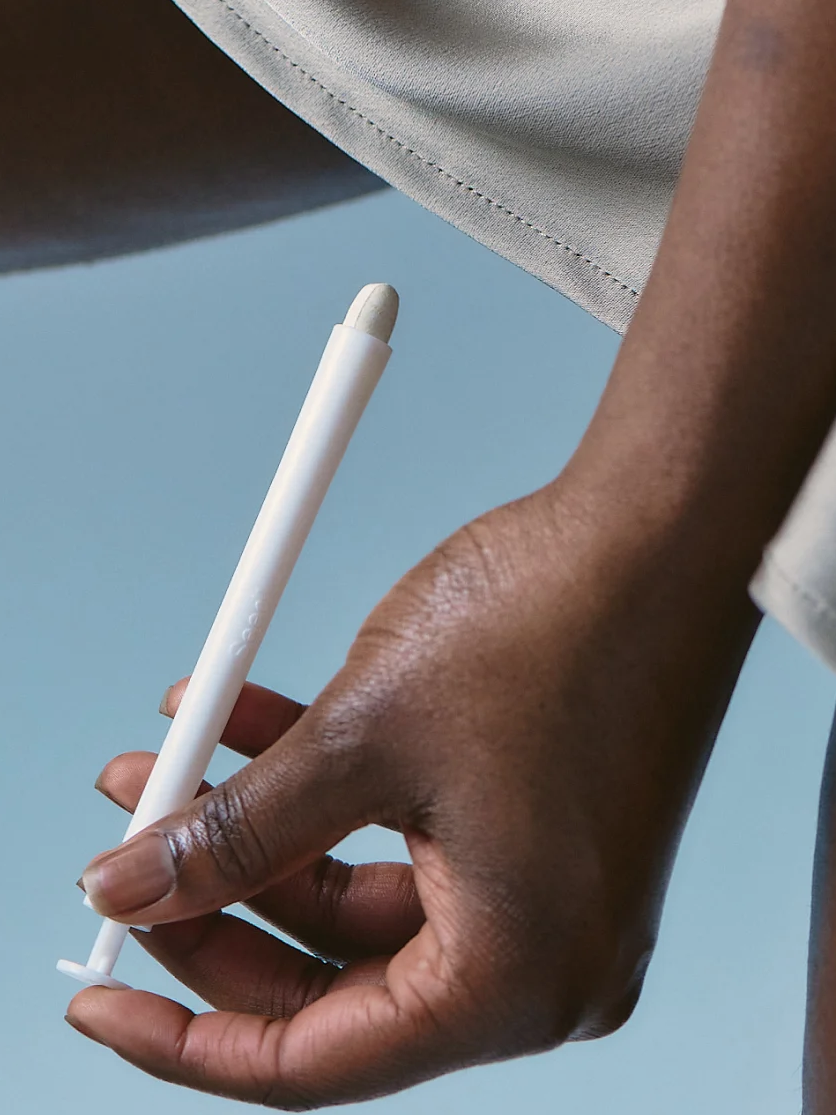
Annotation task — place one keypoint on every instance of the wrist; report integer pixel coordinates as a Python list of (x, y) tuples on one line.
[(651, 509), (724, 388), (636, 562)]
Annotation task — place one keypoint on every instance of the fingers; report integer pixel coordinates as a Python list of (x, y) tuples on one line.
[(235, 966), (302, 1034), (337, 910), (259, 718), (276, 815), (167, 1040), (123, 779), (345, 911), (350, 1043)]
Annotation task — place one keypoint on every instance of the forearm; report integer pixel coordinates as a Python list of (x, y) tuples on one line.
[(725, 385), (122, 127)]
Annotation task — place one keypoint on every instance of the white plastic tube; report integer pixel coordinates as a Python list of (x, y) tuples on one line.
[(350, 368)]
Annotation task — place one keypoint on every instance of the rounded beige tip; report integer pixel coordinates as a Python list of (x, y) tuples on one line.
[(374, 311)]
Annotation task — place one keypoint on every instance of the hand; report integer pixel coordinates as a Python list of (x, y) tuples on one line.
[(533, 705)]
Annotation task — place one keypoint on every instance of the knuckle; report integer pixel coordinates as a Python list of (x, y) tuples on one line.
[(546, 1025), (620, 1011), (332, 883), (283, 998), (614, 995), (623, 994), (469, 565), (224, 830), (347, 726), (342, 725), (593, 993)]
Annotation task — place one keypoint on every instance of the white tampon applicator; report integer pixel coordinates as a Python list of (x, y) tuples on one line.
[(351, 365)]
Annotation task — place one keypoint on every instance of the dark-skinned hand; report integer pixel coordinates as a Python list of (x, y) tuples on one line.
[(533, 706)]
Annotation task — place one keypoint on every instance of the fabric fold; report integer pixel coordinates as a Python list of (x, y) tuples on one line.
[(550, 131)]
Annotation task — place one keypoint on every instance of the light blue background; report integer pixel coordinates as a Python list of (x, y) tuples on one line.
[(145, 406)]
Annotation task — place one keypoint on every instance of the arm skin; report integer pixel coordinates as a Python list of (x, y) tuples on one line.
[(725, 385), (122, 128), (535, 702)]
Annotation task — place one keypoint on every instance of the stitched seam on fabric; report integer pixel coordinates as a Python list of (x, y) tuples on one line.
[(820, 606), (428, 162)]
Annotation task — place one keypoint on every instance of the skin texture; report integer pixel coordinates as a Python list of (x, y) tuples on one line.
[(494, 706), (122, 128), (533, 704)]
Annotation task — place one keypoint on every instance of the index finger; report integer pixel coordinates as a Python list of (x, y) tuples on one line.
[(259, 718)]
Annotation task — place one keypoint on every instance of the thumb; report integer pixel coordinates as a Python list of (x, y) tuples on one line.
[(284, 809)]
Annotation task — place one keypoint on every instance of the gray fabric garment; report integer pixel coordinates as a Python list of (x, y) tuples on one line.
[(552, 131), (796, 582)]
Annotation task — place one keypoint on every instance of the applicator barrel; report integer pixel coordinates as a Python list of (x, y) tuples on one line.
[(348, 373)]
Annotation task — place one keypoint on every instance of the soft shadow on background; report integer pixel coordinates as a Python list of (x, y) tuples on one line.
[(146, 403)]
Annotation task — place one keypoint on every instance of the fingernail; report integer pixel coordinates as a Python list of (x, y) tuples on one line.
[(164, 701), (135, 875)]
